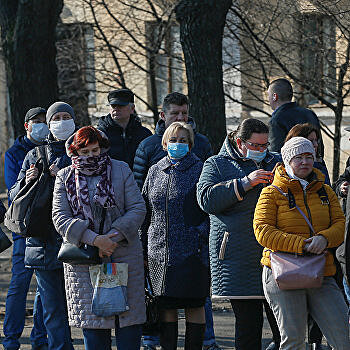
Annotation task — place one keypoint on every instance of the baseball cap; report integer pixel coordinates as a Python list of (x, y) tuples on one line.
[(33, 112), (121, 97)]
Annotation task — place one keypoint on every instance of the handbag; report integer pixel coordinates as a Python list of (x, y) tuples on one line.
[(152, 324), (29, 214), (292, 271), (84, 255), (4, 241), (110, 282)]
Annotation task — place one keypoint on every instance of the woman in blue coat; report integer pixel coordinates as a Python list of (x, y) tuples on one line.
[(175, 238), (228, 189)]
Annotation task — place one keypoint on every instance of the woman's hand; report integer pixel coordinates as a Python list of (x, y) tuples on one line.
[(32, 173), (315, 244), (105, 245), (344, 187), (260, 176)]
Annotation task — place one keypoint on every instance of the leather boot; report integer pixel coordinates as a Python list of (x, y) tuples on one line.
[(168, 335), (194, 336)]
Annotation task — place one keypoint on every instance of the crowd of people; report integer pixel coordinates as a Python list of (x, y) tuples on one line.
[(198, 225)]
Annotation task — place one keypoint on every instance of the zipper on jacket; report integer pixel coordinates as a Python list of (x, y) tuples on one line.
[(307, 209), (223, 246), (166, 230)]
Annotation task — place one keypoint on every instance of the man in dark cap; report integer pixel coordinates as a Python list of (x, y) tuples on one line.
[(122, 127), (36, 133)]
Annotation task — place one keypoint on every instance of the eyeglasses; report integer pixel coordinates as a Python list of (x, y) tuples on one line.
[(258, 145)]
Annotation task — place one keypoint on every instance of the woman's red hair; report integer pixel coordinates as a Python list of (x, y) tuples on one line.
[(85, 136)]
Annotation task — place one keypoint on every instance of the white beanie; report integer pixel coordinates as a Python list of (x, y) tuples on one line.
[(295, 146)]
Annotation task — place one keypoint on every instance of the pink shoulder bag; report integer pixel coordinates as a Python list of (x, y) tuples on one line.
[(292, 271)]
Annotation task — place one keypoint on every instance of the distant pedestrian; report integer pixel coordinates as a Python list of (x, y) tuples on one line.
[(15, 312), (228, 190), (175, 238), (286, 114), (82, 190), (122, 126)]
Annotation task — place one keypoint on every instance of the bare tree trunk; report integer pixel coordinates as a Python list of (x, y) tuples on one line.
[(153, 85), (28, 39), (336, 143), (201, 29)]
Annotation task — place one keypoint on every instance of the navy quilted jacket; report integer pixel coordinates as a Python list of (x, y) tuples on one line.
[(150, 150), (234, 252), (175, 232)]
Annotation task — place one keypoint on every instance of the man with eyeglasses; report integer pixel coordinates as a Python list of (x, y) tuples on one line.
[(122, 126), (286, 114)]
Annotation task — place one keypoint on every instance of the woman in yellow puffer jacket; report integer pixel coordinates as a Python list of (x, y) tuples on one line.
[(279, 226)]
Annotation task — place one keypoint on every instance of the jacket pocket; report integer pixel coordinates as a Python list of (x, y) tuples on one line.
[(223, 246)]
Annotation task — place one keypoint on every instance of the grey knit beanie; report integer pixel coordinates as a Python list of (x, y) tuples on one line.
[(295, 146), (58, 107)]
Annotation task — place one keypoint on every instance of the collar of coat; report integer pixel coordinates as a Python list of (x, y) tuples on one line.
[(229, 151), (182, 165), (283, 181)]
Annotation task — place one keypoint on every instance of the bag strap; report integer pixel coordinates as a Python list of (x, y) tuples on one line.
[(102, 223), (296, 206), (42, 153)]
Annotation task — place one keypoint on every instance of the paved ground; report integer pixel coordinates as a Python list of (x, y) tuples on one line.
[(223, 316)]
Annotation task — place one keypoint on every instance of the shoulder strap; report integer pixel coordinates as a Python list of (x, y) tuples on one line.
[(42, 154), (300, 211), (322, 193)]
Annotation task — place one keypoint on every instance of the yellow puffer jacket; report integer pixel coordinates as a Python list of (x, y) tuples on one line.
[(279, 228)]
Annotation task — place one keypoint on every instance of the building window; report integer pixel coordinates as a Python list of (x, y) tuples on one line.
[(167, 63), (318, 56)]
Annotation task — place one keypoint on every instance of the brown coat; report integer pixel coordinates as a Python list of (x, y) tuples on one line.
[(126, 218)]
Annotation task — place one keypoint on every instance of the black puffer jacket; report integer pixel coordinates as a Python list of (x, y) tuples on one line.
[(150, 150), (123, 142)]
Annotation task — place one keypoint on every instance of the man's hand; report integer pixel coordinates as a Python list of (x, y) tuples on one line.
[(344, 187), (315, 244), (260, 176), (32, 173), (105, 245)]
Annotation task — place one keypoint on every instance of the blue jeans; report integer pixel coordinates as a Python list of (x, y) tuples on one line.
[(127, 338), (16, 303), (209, 336), (53, 298), (326, 305)]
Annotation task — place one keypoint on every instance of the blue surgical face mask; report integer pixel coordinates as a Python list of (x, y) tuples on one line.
[(177, 150), (256, 155), (39, 132)]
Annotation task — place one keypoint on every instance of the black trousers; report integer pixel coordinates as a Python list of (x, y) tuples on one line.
[(249, 323)]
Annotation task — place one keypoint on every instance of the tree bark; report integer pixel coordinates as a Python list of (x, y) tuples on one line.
[(201, 32), (28, 39)]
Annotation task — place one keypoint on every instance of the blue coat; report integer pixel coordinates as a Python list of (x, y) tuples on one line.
[(40, 254), (150, 150), (237, 272), (14, 158), (175, 232), (284, 118)]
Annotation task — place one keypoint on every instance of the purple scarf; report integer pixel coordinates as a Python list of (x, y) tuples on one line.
[(77, 187)]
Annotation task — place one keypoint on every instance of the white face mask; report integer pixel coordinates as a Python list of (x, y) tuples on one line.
[(62, 129)]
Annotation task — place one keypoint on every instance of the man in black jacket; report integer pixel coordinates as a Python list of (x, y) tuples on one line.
[(122, 127), (285, 114), (150, 150)]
